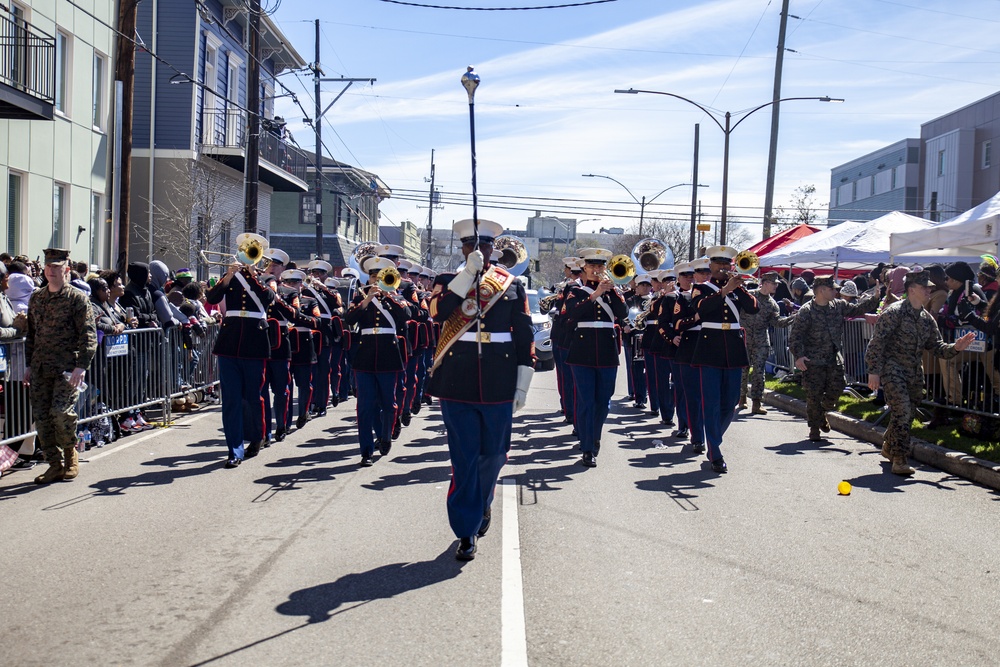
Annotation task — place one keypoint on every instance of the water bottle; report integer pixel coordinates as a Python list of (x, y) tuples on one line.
[(80, 446), (87, 438)]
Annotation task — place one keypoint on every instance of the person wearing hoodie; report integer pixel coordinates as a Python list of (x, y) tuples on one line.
[(167, 313), (19, 289), (137, 295)]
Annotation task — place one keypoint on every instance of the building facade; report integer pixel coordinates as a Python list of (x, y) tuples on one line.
[(56, 120), (189, 131), (877, 183), (349, 212)]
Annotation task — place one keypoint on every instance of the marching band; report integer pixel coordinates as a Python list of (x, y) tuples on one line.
[(394, 334)]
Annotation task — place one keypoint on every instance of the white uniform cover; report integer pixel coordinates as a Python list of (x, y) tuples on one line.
[(964, 237)]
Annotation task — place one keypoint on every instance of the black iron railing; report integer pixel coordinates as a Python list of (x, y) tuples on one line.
[(27, 58), (225, 127)]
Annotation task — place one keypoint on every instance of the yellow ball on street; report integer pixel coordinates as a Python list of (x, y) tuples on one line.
[(844, 488)]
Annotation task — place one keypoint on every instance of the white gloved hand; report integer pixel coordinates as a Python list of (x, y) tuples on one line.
[(462, 283), (524, 374)]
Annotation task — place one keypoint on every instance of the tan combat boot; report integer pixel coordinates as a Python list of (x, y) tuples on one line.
[(54, 472), (757, 410), (71, 463), (900, 466), (743, 402), (886, 453)]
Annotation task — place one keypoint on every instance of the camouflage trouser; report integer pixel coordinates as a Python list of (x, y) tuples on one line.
[(823, 385), (903, 393), (53, 403), (758, 352)]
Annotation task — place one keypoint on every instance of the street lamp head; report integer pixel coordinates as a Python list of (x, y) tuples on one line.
[(827, 98), (630, 91), (470, 80)]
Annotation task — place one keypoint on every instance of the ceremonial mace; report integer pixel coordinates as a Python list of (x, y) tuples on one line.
[(470, 81)]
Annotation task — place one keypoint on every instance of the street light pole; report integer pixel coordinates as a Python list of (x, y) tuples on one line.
[(642, 203), (727, 129)]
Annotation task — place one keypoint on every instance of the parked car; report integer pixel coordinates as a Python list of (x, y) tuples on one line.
[(541, 324)]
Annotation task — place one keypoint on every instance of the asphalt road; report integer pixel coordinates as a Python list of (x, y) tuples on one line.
[(156, 555)]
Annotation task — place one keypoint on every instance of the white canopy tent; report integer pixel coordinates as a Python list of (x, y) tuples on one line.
[(850, 245), (964, 237)]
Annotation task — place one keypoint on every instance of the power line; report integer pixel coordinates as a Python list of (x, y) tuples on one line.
[(497, 9)]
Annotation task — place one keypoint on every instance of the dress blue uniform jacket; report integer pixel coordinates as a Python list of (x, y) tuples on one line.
[(306, 337), (242, 337), (684, 323), (282, 312), (465, 376), (661, 333), (597, 348), (379, 353), (721, 348), (330, 328)]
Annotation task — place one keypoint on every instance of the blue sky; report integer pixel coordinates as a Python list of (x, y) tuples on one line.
[(546, 112)]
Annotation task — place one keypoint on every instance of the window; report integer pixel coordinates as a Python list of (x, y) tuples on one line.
[(100, 69), (212, 127), (96, 220), (234, 117), (18, 53), (307, 208), (940, 163), (59, 203), (63, 64), (15, 194), (892, 180), (987, 154)]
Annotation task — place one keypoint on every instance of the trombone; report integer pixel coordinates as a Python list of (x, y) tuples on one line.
[(225, 258)]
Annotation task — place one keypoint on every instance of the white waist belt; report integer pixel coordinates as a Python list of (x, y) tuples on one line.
[(596, 325), (724, 326), (650, 321), (378, 330), (246, 313), (485, 337)]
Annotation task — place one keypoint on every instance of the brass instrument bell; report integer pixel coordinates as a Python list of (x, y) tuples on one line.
[(621, 269)]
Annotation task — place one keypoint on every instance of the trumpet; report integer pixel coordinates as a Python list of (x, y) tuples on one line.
[(621, 270), (747, 263), (388, 279)]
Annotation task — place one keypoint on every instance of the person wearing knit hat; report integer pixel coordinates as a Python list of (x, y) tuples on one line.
[(848, 291), (894, 355), (988, 275), (809, 276)]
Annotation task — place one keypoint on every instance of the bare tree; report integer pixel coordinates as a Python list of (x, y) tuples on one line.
[(803, 208), (196, 213)]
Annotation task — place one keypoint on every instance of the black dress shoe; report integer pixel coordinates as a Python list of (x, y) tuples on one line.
[(698, 448), (252, 450), (280, 434), (485, 525), (366, 461), (405, 419), (266, 442), (335, 401), (319, 413), (302, 420), (416, 408), (234, 463), (655, 412), (667, 422), (466, 548), (384, 446), (680, 433), (720, 467), (630, 397), (397, 428), (589, 460), (640, 406), (427, 399)]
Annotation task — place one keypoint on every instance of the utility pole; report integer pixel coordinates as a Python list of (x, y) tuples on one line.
[(430, 214), (772, 155), (317, 125), (125, 72), (252, 164), (694, 194)]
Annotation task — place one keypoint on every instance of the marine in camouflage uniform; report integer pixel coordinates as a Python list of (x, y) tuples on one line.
[(902, 333), (815, 342), (61, 338), (758, 341)]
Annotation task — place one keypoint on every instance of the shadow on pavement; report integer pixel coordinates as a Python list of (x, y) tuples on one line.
[(803, 446), (680, 487), (886, 482)]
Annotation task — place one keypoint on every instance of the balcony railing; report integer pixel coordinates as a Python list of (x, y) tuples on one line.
[(225, 127), (27, 59)]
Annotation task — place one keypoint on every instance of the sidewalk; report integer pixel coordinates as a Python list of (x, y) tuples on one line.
[(960, 464)]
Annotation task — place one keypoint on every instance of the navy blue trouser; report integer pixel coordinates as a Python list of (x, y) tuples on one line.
[(276, 379), (680, 397), (654, 391), (664, 386), (629, 377), (720, 390), (639, 374), (478, 442), (376, 407), (594, 387), (564, 379), (242, 381), (410, 384), (302, 374), (336, 368), (426, 357), (346, 376), (691, 379), (321, 380)]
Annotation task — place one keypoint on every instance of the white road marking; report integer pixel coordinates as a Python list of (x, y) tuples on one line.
[(144, 438), (514, 644)]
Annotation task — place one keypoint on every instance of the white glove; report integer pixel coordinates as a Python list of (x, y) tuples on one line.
[(524, 374), (462, 283)]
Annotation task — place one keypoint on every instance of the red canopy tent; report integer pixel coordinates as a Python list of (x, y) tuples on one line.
[(782, 239)]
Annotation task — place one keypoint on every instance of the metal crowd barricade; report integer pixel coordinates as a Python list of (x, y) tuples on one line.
[(780, 358), (138, 368)]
